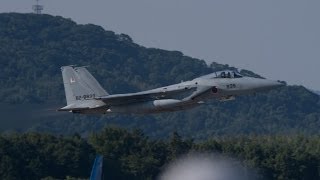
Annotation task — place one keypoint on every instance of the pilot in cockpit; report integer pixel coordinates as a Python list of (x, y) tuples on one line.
[(228, 75), (223, 75)]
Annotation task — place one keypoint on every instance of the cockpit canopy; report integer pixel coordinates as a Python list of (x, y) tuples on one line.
[(223, 74)]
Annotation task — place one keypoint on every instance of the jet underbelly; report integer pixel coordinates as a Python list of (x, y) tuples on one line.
[(161, 105)]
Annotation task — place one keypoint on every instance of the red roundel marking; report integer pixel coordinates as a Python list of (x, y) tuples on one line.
[(214, 90)]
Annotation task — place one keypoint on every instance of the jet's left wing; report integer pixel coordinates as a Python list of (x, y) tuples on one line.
[(160, 93)]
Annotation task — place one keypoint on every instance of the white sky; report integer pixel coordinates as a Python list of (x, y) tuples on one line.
[(278, 39)]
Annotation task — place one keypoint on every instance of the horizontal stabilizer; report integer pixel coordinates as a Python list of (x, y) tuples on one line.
[(71, 107)]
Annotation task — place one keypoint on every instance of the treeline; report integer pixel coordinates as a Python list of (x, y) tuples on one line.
[(132, 155)]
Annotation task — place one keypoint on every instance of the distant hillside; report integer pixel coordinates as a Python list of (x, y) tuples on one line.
[(315, 92), (34, 47)]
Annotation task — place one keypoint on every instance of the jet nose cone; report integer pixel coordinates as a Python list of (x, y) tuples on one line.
[(257, 84), (282, 83), (277, 83), (270, 84)]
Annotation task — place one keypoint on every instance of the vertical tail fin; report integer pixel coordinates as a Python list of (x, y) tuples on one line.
[(91, 82), (80, 85)]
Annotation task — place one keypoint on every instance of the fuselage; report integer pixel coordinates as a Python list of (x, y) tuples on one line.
[(195, 93)]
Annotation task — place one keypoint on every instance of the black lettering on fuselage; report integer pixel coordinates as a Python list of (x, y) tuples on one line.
[(85, 97)]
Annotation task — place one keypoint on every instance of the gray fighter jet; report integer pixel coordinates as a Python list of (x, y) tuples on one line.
[(85, 95)]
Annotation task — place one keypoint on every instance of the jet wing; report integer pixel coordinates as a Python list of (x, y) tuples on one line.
[(160, 93)]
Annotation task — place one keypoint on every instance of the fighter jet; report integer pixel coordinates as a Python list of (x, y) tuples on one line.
[(86, 96)]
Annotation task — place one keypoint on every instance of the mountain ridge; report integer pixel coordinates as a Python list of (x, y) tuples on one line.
[(34, 47), (317, 92)]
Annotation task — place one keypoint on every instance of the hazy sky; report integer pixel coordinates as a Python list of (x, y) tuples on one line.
[(278, 39)]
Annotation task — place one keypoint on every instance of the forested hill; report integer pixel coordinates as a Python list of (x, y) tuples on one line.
[(34, 47)]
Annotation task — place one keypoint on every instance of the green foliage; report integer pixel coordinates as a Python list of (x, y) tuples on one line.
[(32, 156), (129, 154), (132, 155), (34, 47)]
